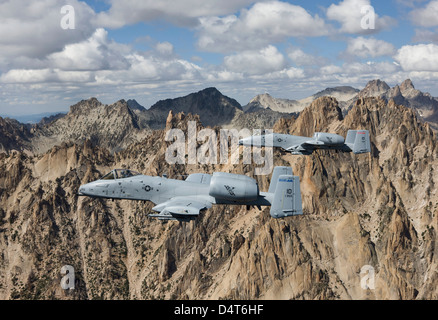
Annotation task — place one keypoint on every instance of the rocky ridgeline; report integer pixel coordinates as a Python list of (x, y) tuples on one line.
[(378, 210), (14, 136), (112, 126), (118, 125), (404, 94)]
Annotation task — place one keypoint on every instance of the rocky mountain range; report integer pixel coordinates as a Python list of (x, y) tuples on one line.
[(376, 211), (112, 126), (404, 94), (423, 103), (344, 95), (118, 125)]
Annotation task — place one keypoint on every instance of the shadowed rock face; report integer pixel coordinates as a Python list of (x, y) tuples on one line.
[(378, 210), (212, 107), (13, 135)]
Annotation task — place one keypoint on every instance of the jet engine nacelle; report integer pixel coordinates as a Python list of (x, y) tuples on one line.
[(234, 187), (328, 138)]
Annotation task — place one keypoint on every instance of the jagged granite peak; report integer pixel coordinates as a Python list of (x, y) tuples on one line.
[(396, 95), (113, 126), (407, 85), (408, 90), (317, 117), (85, 105), (193, 99), (93, 110), (340, 92), (423, 103), (345, 95), (374, 88), (384, 118), (405, 94), (210, 104), (93, 105), (134, 105), (396, 91), (256, 118), (180, 121), (266, 101)]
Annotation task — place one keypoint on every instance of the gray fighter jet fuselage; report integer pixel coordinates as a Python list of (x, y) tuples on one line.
[(357, 141), (184, 199)]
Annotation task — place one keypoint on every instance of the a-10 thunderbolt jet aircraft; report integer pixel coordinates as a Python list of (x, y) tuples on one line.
[(357, 141), (183, 200)]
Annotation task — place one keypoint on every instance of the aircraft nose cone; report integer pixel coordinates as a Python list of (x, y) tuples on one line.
[(83, 190), (246, 141)]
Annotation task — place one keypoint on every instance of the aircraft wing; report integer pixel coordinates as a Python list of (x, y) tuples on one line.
[(180, 208), (313, 143), (305, 148)]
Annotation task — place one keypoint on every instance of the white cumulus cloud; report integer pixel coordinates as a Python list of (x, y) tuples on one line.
[(95, 53), (369, 47), (32, 29), (421, 57), (263, 61), (427, 16), (354, 17), (99, 60), (183, 13), (263, 24), (301, 58)]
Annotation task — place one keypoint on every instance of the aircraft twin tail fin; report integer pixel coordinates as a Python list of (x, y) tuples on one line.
[(287, 195), (358, 141)]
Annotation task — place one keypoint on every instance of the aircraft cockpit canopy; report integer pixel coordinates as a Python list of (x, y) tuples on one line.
[(119, 174)]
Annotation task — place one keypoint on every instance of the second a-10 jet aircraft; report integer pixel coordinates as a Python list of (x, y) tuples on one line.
[(357, 141)]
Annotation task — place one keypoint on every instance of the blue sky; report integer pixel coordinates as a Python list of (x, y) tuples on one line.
[(151, 50)]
